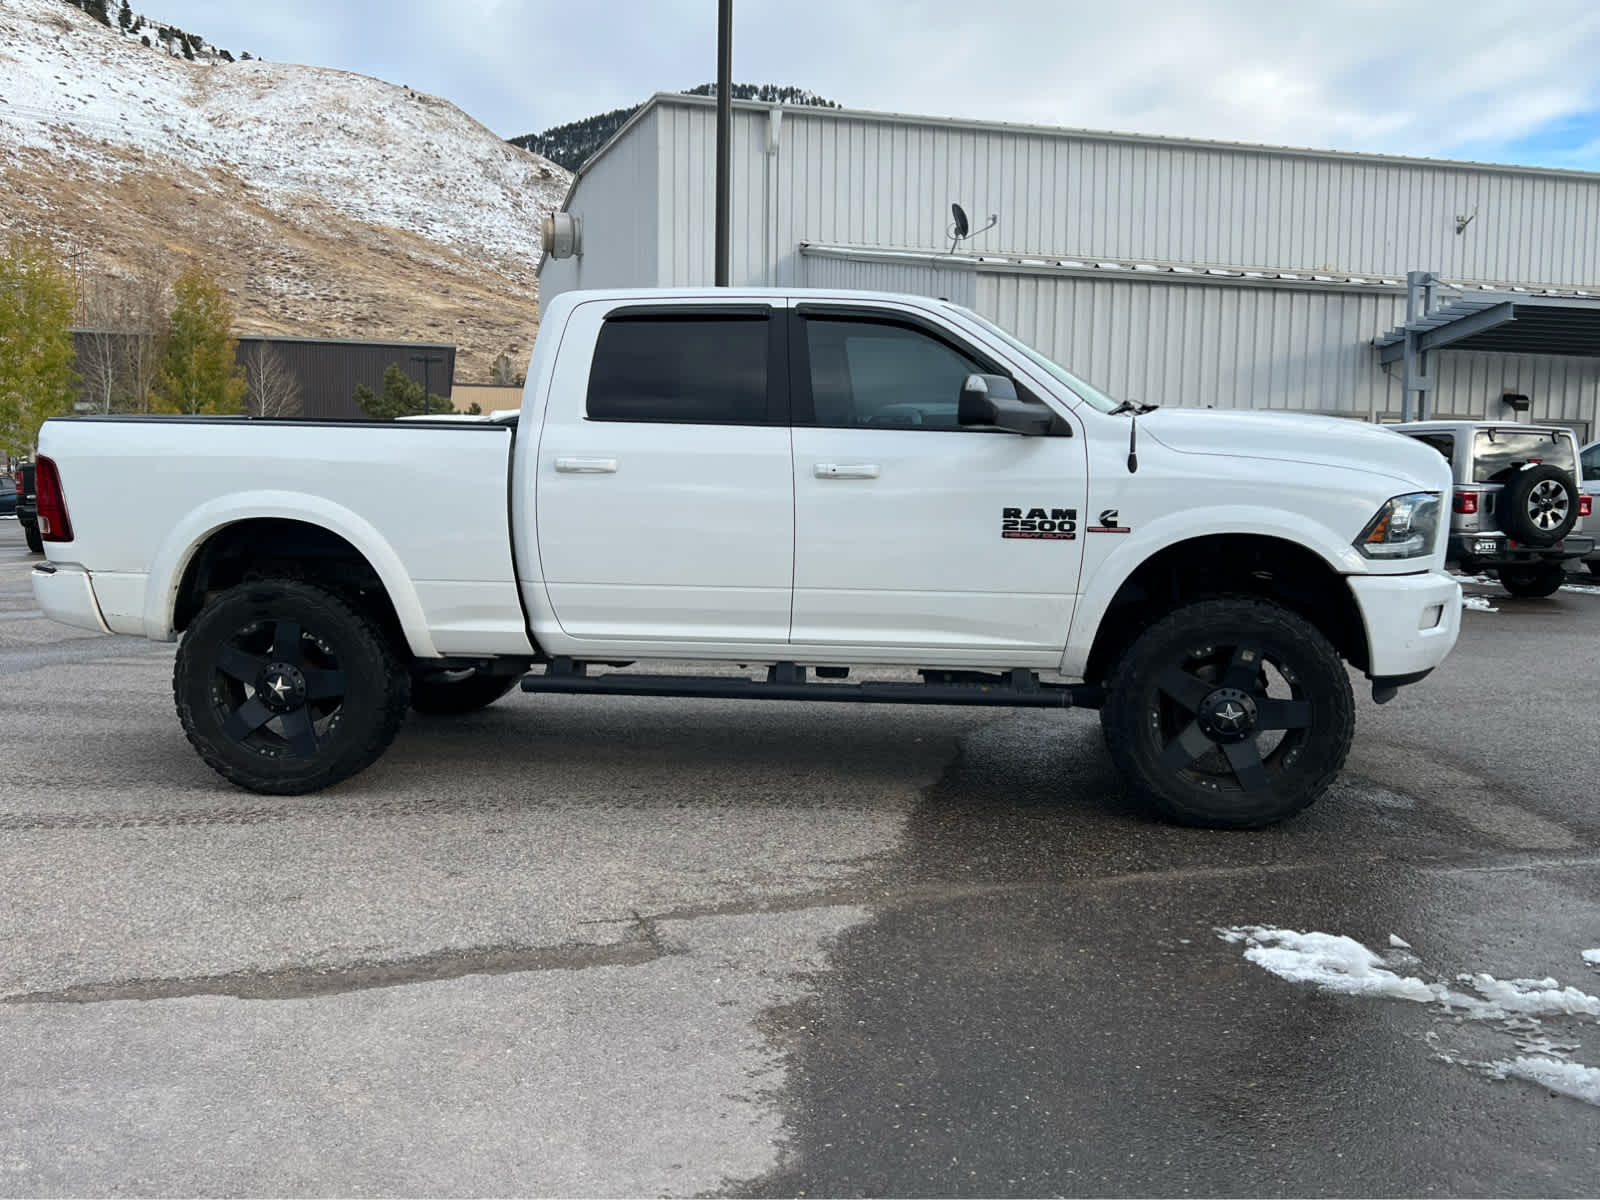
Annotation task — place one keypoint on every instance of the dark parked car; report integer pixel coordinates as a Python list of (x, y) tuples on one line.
[(8, 496), (28, 509)]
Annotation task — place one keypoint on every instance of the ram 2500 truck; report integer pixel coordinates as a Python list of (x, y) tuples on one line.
[(806, 482)]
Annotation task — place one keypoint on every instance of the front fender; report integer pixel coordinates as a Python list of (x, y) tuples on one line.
[(180, 546), (1107, 569)]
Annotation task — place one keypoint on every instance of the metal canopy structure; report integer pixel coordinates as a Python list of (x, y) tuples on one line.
[(1506, 322), (1515, 324)]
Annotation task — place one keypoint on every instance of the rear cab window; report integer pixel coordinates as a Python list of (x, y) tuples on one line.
[(1499, 453), (686, 366)]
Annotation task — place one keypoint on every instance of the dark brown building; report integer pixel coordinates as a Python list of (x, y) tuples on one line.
[(328, 370)]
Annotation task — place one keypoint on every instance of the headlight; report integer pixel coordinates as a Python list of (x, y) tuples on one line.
[(1405, 527)]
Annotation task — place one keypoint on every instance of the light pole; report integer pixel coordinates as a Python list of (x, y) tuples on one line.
[(427, 360), (724, 132)]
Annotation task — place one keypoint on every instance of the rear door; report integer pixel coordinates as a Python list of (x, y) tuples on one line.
[(911, 531), (665, 501)]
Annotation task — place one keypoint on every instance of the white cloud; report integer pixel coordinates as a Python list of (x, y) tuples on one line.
[(1435, 77)]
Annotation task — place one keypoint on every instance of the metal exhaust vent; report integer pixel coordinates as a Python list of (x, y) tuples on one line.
[(563, 235)]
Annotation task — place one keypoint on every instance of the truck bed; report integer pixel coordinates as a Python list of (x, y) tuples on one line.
[(424, 502)]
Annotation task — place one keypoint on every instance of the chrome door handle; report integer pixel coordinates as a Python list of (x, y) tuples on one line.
[(587, 466), (845, 470)]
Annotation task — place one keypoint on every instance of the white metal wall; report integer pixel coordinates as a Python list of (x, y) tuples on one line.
[(620, 219), (1234, 346), (888, 181), (815, 176), (957, 282)]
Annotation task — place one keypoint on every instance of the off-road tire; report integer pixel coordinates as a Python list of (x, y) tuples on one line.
[(1181, 679), (448, 694), (1528, 490), (31, 534), (1534, 581), (255, 638), (1594, 566)]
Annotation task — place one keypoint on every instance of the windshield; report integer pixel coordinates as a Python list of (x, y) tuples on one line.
[(1088, 391)]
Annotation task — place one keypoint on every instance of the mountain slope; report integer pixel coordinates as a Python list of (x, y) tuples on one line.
[(331, 204)]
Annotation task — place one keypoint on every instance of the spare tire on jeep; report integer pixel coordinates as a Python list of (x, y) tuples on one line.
[(1540, 505)]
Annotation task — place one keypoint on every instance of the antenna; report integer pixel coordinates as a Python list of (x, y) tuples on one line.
[(961, 228)]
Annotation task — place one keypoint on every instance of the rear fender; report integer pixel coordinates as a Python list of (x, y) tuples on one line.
[(180, 546)]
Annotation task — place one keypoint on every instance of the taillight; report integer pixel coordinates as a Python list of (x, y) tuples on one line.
[(1585, 503), (1466, 502), (54, 523)]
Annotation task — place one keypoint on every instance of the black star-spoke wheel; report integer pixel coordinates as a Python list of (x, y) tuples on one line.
[(285, 688), (1230, 713)]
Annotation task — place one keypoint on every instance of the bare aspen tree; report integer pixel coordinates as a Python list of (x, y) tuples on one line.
[(274, 389)]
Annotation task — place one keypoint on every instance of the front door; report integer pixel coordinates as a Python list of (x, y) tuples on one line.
[(910, 530)]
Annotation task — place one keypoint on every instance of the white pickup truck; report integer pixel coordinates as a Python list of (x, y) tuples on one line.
[(809, 482)]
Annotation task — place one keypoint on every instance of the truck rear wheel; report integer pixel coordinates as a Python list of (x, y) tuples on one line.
[(31, 534), (284, 688), (1230, 714), (449, 693), (1534, 579)]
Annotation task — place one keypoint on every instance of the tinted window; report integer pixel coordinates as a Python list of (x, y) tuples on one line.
[(1444, 443), (1591, 462), (1498, 452), (884, 376), (681, 369)]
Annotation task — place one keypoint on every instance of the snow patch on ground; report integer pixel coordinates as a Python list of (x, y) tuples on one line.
[(1342, 965), (1570, 1079), (1480, 603), (1582, 589), (1330, 961)]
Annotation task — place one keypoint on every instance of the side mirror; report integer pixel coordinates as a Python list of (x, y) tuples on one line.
[(991, 401)]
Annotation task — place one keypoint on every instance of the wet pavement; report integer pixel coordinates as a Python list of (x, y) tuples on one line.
[(622, 946)]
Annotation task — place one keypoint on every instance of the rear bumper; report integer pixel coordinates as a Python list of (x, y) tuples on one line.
[(1412, 621), (1473, 548), (65, 594)]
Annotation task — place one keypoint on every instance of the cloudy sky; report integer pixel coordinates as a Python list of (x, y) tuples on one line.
[(1504, 80)]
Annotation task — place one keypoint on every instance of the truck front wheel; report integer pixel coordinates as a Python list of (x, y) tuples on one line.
[(1231, 713), (284, 688)]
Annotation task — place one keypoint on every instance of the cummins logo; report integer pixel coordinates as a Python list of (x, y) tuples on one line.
[(1109, 522)]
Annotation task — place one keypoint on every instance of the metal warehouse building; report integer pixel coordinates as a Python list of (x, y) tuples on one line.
[(1164, 270)]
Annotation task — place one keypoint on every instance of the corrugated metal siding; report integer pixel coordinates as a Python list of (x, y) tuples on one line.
[(616, 197), (1198, 346), (876, 181), (924, 279)]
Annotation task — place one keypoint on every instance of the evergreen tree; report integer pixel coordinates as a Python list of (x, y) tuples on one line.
[(97, 9), (125, 17), (574, 143), (402, 397), (37, 296), (199, 371)]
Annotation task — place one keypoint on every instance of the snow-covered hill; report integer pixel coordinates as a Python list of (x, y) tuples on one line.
[(272, 161)]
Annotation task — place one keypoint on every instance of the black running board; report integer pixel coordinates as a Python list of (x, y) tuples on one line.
[(786, 681)]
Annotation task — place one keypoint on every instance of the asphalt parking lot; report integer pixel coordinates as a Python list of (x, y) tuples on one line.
[(625, 946)]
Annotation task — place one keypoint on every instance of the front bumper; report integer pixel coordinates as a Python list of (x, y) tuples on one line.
[(1412, 621), (65, 594), (1496, 549)]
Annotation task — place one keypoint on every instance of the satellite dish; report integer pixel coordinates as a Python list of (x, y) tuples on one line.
[(961, 228)]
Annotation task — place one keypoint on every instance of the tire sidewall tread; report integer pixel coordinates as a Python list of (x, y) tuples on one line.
[(1131, 691), (365, 653)]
